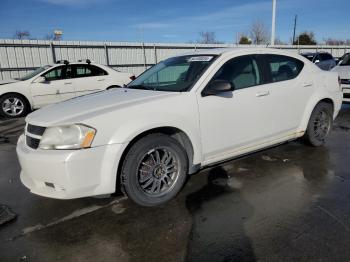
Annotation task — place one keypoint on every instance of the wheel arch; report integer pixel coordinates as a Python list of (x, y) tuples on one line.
[(174, 132), (19, 94), (309, 109)]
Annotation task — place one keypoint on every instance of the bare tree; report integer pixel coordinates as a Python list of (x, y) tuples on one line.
[(279, 42), (207, 37), (334, 41), (259, 33), (21, 35)]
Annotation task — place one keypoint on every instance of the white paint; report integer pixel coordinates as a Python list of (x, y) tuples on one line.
[(219, 127)]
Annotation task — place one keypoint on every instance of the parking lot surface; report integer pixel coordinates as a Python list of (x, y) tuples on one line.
[(288, 203)]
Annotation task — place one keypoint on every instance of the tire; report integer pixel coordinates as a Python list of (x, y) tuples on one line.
[(154, 170), (13, 106), (320, 124)]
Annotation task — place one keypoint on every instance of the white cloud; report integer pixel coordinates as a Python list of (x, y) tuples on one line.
[(73, 3)]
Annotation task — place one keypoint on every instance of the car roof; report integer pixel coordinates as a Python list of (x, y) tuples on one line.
[(238, 50), (315, 53)]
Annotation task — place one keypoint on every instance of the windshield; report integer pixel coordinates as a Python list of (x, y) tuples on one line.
[(176, 74), (34, 73), (345, 60)]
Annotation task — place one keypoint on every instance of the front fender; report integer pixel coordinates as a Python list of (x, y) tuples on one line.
[(128, 131)]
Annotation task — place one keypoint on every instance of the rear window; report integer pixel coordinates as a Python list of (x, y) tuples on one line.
[(326, 57), (283, 68), (309, 57)]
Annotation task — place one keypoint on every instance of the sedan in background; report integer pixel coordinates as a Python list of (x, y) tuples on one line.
[(343, 69), (55, 83), (323, 60)]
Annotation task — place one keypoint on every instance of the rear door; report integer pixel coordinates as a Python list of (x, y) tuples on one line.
[(289, 90), (89, 79)]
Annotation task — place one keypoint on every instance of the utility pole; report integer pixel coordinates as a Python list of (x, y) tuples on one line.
[(273, 26), (295, 26)]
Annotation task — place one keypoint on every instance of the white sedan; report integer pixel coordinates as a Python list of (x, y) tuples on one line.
[(343, 69), (183, 114), (52, 84)]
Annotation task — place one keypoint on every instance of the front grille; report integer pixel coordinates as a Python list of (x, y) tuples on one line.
[(346, 95), (36, 130), (345, 81), (32, 142)]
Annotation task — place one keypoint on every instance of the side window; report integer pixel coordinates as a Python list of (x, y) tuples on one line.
[(241, 71), (283, 68), (345, 60), (54, 74), (89, 70), (83, 71), (97, 71)]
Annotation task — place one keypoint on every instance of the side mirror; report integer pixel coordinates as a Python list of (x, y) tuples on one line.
[(317, 61), (41, 79), (216, 87)]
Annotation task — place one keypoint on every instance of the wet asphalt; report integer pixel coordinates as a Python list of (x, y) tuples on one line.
[(287, 203)]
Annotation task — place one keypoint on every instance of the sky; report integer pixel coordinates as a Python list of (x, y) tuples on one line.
[(170, 21)]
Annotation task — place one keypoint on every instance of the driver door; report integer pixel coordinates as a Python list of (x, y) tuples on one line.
[(231, 122), (57, 87)]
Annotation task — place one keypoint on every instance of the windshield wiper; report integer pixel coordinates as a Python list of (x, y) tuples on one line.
[(142, 87)]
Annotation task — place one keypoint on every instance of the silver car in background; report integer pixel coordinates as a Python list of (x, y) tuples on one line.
[(323, 60)]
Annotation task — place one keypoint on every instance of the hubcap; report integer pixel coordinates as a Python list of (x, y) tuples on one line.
[(158, 172), (12, 106), (322, 125)]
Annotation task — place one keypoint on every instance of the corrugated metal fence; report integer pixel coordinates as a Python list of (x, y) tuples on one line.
[(18, 57)]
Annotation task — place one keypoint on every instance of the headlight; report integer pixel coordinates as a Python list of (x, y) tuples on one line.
[(67, 137)]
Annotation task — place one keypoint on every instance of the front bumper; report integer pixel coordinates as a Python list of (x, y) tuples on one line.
[(68, 174), (346, 92)]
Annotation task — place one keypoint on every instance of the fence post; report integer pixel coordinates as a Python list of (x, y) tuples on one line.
[(155, 54), (53, 53), (144, 55), (106, 54)]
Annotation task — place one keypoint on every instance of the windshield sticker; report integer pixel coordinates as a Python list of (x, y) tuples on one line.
[(200, 59)]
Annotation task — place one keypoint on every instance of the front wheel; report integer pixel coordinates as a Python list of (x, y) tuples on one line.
[(320, 124), (154, 170), (13, 105)]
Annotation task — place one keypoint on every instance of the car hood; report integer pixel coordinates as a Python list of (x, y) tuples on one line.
[(343, 71), (8, 81), (78, 109)]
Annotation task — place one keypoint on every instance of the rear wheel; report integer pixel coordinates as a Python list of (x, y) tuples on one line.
[(13, 105), (320, 124), (154, 170)]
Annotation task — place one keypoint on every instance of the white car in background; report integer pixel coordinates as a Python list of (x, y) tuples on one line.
[(55, 83), (183, 114), (343, 69)]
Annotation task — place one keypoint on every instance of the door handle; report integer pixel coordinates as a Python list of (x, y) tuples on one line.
[(57, 92), (68, 83), (307, 84), (101, 80), (262, 93)]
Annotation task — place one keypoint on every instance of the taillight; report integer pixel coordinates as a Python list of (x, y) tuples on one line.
[(132, 78)]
